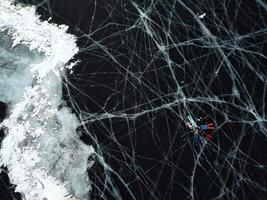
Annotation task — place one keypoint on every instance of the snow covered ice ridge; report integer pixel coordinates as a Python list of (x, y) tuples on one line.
[(45, 158)]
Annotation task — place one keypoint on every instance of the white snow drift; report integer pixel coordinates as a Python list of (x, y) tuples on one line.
[(44, 155)]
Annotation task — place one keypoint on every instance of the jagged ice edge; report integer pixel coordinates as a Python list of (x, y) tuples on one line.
[(28, 148)]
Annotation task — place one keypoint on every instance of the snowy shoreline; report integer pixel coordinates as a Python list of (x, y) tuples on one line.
[(44, 155)]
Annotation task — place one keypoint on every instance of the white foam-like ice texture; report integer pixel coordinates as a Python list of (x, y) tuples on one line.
[(42, 151)]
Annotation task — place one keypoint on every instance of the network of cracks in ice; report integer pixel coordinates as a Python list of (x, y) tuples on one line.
[(183, 62)]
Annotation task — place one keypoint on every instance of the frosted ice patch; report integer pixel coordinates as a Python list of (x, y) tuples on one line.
[(44, 155), (202, 16)]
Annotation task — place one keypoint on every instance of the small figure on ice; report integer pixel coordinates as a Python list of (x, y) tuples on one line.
[(200, 128)]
